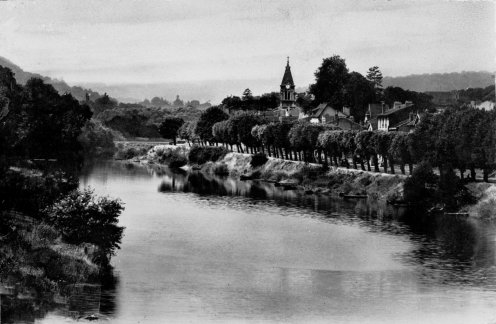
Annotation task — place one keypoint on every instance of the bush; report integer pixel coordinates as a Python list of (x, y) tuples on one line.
[(201, 155), (221, 169), (258, 159), (176, 162), (420, 187), (85, 218)]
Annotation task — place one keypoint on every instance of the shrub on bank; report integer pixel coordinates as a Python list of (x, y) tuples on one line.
[(201, 155), (176, 162), (221, 169), (127, 153), (85, 218), (258, 159)]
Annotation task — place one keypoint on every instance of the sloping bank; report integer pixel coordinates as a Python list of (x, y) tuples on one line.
[(309, 177), (313, 178)]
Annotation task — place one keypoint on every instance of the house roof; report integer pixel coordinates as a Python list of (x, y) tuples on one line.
[(288, 77), (350, 121), (395, 110), (317, 112)]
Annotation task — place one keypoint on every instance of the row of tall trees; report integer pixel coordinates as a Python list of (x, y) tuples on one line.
[(463, 138)]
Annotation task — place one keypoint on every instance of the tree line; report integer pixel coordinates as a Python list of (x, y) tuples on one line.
[(462, 138)]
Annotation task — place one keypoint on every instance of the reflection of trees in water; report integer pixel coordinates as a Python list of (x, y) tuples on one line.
[(75, 301), (446, 249)]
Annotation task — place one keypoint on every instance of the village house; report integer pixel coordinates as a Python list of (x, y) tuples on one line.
[(484, 105), (401, 117)]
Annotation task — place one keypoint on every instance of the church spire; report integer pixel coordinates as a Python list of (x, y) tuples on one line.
[(288, 77)]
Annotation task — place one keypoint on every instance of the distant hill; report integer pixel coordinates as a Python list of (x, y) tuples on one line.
[(22, 77), (441, 81)]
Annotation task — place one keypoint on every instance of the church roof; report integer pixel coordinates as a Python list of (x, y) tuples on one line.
[(287, 78)]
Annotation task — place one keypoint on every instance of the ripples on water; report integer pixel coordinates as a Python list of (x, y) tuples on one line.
[(327, 260)]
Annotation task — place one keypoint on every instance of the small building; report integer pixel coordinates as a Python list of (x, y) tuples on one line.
[(347, 123), (484, 105), (325, 113), (392, 118)]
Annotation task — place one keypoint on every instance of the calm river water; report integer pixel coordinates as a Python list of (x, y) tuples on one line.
[(205, 249)]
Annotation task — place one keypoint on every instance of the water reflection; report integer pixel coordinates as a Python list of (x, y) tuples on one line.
[(448, 250), (206, 248)]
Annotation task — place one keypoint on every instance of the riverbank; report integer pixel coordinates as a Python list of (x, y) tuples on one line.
[(314, 179), (309, 177)]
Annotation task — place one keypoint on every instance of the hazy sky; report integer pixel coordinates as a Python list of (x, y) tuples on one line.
[(138, 41)]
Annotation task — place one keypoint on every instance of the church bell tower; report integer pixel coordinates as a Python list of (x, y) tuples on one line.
[(288, 95)]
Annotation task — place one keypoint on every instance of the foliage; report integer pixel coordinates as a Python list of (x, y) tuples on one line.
[(103, 103), (221, 169), (421, 100), (358, 93), (419, 188), (96, 139), (40, 123), (258, 159), (177, 162), (260, 103), (207, 119), (374, 75), (330, 79), (242, 124), (29, 192), (169, 127), (187, 131), (201, 155), (85, 218)]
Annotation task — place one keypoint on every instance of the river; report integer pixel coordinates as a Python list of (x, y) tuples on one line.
[(205, 249)]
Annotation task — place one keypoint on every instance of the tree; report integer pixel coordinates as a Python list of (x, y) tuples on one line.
[(232, 103), (330, 79), (84, 218), (374, 75), (358, 93), (169, 127), (103, 103), (247, 95), (247, 100), (207, 119), (305, 101)]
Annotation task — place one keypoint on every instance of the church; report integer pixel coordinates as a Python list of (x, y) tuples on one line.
[(288, 106)]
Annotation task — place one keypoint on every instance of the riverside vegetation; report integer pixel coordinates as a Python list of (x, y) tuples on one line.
[(460, 138), (52, 234)]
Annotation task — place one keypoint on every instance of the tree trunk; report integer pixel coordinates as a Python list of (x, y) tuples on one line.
[(368, 165), (486, 174), (174, 141), (402, 168), (391, 162), (384, 161), (410, 166), (286, 154), (325, 157), (299, 155), (354, 161), (472, 173), (376, 163)]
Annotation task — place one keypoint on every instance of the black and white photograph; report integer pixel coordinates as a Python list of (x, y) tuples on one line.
[(247, 161)]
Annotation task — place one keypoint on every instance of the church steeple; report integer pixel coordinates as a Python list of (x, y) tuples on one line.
[(288, 77), (288, 96)]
